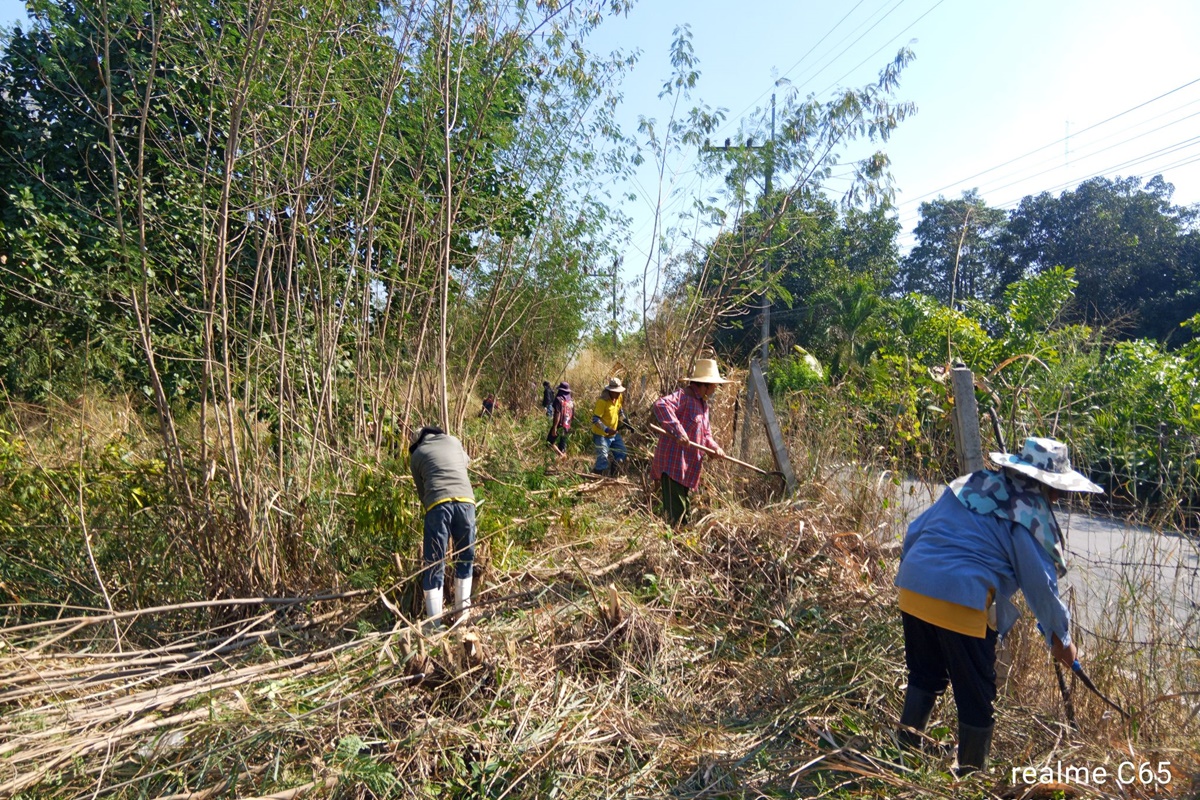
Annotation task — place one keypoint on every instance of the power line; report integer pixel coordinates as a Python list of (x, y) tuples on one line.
[(799, 84), (885, 44), (833, 61), (1087, 155), (813, 49), (1138, 159), (1051, 144), (788, 71), (1185, 144), (1133, 162)]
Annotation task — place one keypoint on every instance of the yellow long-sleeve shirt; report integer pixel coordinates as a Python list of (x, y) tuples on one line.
[(609, 412)]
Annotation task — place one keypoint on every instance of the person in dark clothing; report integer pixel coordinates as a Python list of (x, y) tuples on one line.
[(548, 398), (439, 470), (563, 411)]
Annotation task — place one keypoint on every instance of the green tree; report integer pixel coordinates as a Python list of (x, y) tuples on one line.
[(956, 255), (791, 233), (1135, 254), (824, 250), (292, 223)]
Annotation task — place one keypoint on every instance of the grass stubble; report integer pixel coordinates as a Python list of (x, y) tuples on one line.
[(757, 653)]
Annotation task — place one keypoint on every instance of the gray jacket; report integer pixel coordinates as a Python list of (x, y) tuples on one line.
[(439, 469)]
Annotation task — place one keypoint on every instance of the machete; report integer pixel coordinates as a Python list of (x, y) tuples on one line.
[(1077, 668)]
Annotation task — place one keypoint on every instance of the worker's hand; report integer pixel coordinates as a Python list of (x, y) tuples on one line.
[(1066, 654), (720, 452)]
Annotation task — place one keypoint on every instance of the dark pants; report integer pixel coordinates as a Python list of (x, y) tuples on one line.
[(937, 657), (454, 522), (559, 439), (675, 500)]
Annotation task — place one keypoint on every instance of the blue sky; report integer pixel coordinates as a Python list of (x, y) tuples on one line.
[(993, 81)]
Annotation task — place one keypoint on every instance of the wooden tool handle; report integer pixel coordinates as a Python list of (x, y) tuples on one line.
[(710, 451)]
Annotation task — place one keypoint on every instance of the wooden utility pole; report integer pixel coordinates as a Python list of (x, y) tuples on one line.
[(768, 186), (765, 336)]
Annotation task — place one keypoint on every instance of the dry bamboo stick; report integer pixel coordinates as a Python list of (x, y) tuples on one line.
[(138, 612), (291, 794), (204, 794)]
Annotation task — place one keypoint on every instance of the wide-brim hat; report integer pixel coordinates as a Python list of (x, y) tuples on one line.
[(614, 385), (706, 371), (1047, 461)]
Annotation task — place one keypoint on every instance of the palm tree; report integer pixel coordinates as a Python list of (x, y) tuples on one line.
[(853, 308)]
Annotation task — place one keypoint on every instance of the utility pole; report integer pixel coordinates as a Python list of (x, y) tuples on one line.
[(616, 265), (765, 336), (769, 170)]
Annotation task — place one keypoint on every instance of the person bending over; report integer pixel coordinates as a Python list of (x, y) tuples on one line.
[(991, 532)]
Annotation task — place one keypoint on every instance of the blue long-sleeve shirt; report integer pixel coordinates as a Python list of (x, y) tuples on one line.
[(954, 554)]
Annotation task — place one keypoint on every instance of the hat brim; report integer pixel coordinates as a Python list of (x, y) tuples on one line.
[(1072, 481), (614, 390), (707, 380)]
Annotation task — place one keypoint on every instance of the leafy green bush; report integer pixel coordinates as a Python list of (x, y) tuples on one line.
[(799, 372)]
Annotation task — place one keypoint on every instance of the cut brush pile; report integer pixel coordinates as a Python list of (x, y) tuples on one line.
[(755, 654)]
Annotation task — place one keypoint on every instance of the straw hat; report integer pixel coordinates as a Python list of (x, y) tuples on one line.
[(1047, 461), (614, 386), (706, 371)]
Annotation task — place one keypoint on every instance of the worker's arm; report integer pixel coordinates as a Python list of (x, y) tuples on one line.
[(664, 411), (418, 472), (598, 420), (1065, 653), (1038, 581)]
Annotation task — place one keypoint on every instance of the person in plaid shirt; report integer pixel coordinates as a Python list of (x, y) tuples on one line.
[(684, 416)]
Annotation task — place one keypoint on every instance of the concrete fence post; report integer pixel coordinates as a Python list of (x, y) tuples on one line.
[(966, 421)]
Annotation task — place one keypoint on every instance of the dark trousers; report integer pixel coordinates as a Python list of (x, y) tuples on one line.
[(937, 657), (453, 522), (558, 439), (675, 500)]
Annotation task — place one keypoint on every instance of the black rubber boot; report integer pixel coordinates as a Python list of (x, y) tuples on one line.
[(973, 747), (918, 706)]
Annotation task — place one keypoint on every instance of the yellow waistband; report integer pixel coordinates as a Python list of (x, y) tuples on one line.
[(470, 500), (951, 616)]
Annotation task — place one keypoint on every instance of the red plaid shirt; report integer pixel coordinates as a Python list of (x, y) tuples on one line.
[(682, 414)]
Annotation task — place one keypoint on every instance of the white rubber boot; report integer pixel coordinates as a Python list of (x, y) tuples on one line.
[(433, 607), (462, 599)]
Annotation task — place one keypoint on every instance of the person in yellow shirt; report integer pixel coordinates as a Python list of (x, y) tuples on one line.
[(606, 418)]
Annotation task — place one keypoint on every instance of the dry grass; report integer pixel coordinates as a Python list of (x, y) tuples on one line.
[(53, 433), (756, 654)]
